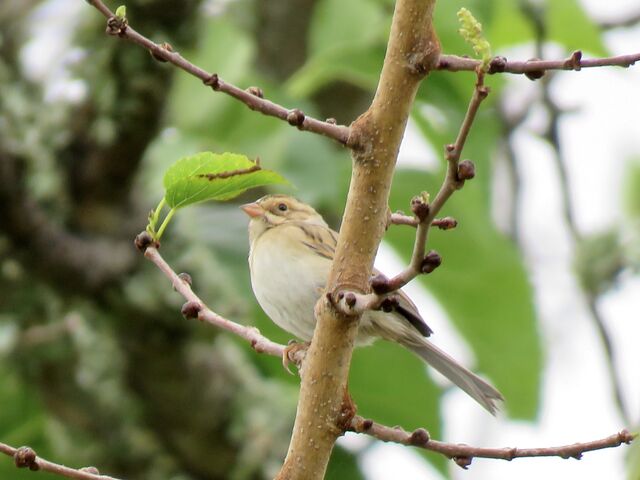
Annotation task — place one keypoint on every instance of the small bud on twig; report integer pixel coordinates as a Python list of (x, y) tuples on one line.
[(389, 304), (432, 260), (25, 457), (350, 299), (144, 240), (380, 284), (186, 278), (446, 223), (165, 46), (367, 424), (331, 120), (463, 462), (419, 437), (191, 310), (420, 206), (213, 81), (91, 470), (295, 117), (256, 91), (466, 170), (534, 74), (497, 65)]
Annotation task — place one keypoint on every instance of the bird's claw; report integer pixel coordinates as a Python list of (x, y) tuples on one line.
[(290, 354)]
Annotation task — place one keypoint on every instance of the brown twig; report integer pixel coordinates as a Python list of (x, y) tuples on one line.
[(197, 308), (295, 117), (425, 212), (446, 223), (464, 454), (25, 457), (454, 63)]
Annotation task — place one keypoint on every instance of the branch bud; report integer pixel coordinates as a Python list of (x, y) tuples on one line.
[(432, 260), (144, 240), (25, 457), (256, 91), (91, 470), (389, 304), (463, 462), (380, 284), (534, 74), (191, 310), (419, 437), (186, 278), (420, 206), (466, 170), (497, 65), (295, 118)]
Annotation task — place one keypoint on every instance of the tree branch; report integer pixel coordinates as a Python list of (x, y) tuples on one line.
[(25, 457), (454, 63), (252, 97), (196, 308), (464, 454), (324, 408), (425, 212)]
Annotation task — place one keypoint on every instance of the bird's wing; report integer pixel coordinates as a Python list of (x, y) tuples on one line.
[(322, 241)]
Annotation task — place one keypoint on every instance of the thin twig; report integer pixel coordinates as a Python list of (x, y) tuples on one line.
[(251, 98), (464, 454), (454, 179), (454, 63), (25, 457), (197, 307), (446, 223)]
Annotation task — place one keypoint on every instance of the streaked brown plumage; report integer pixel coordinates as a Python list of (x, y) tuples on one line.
[(291, 253)]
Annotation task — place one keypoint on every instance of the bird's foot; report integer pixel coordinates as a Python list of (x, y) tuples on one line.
[(294, 352)]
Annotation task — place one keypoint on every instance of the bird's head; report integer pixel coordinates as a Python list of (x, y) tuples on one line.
[(273, 210)]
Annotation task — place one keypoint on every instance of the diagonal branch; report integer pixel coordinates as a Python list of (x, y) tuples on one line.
[(196, 308), (457, 173), (251, 97)]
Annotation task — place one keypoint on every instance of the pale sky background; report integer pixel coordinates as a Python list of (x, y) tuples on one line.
[(577, 403)]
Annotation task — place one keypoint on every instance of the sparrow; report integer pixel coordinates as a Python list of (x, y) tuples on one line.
[(291, 251)]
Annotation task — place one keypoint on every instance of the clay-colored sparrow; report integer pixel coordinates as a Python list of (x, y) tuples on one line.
[(291, 252)]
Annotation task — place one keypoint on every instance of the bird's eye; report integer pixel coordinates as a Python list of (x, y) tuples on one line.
[(282, 207)]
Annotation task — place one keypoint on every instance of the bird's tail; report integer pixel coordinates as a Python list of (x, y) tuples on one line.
[(478, 389)]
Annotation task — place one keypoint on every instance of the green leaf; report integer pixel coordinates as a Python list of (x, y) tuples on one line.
[(210, 176), (121, 12)]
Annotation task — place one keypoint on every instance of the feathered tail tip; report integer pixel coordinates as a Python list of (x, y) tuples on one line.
[(478, 389)]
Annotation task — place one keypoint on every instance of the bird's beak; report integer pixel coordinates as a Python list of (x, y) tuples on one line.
[(252, 209)]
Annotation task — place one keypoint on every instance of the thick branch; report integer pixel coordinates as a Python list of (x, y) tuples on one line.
[(322, 414), (252, 98), (464, 454), (25, 457), (454, 63)]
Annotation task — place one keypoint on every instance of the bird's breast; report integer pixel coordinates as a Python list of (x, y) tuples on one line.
[(287, 280)]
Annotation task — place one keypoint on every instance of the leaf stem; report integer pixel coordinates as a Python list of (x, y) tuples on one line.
[(165, 223)]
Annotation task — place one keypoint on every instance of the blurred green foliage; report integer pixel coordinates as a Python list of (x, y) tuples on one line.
[(482, 284)]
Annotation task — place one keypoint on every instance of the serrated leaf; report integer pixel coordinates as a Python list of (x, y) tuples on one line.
[(211, 176)]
